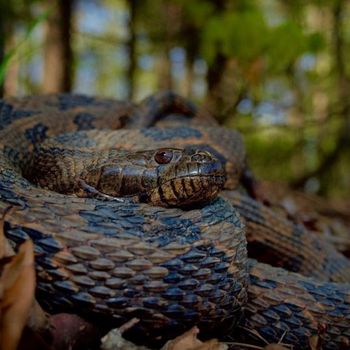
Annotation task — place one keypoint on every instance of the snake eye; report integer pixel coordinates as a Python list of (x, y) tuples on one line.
[(163, 156)]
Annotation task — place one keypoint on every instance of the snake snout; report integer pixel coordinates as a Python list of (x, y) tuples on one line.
[(196, 178), (202, 157)]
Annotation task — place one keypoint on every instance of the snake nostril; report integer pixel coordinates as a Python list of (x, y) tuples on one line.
[(202, 156)]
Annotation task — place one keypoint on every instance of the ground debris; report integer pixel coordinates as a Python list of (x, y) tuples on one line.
[(187, 341), (17, 287)]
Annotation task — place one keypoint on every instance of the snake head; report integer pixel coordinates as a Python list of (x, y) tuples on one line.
[(186, 177), (164, 177)]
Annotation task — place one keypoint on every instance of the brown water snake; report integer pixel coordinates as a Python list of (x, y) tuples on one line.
[(196, 268)]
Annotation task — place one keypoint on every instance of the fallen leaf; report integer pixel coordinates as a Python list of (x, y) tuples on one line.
[(189, 341), (114, 340), (5, 247), (314, 342), (38, 321), (17, 286), (275, 347)]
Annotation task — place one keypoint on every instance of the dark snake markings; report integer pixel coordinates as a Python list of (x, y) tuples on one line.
[(168, 134), (170, 267), (37, 133), (7, 115), (84, 121)]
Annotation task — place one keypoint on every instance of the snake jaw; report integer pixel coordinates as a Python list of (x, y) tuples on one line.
[(187, 191), (194, 179)]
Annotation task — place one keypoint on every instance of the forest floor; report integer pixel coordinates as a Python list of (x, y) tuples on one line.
[(25, 326)]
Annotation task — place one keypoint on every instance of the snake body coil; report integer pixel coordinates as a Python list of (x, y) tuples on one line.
[(170, 267)]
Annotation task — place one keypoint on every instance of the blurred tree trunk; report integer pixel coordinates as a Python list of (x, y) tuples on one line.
[(169, 16), (214, 78), (339, 56), (297, 119), (2, 50), (215, 72), (58, 52), (187, 88), (192, 37), (165, 81), (131, 48), (342, 99), (12, 72)]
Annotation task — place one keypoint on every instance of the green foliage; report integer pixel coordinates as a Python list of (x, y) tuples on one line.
[(197, 11), (287, 43), (275, 53), (243, 36), (270, 153), (13, 51), (246, 36), (316, 42)]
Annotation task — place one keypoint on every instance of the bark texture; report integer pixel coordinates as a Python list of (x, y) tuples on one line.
[(58, 52)]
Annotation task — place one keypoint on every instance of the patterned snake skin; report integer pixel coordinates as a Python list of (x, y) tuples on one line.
[(170, 267)]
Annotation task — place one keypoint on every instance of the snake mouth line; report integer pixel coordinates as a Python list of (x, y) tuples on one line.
[(216, 178), (187, 191)]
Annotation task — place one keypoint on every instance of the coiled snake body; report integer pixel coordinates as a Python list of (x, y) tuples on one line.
[(171, 267)]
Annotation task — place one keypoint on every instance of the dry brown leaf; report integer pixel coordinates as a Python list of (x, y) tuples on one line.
[(2, 239), (275, 347), (114, 340), (17, 284), (314, 342), (5, 248), (38, 320), (189, 341)]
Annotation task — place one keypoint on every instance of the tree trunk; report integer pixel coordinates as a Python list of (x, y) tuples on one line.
[(192, 39), (131, 47), (214, 78), (12, 72), (342, 100), (169, 13), (338, 39), (186, 88), (58, 52), (165, 81), (2, 51), (215, 73)]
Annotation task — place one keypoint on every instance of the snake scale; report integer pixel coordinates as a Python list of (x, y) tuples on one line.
[(171, 267)]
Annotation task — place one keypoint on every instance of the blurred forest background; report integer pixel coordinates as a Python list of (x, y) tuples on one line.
[(276, 70)]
